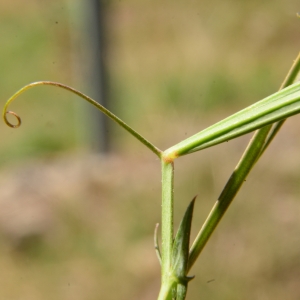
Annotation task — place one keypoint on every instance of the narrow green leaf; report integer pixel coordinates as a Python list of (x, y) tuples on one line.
[(180, 250), (276, 107)]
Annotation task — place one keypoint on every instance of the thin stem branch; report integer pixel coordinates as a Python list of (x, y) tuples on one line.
[(289, 79), (254, 150), (168, 282), (112, 116), (167, 217), (233, 185)]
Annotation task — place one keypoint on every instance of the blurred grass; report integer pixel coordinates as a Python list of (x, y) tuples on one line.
[(174, 67), (34, 47)]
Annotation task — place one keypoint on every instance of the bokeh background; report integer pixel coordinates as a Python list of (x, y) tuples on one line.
[(78, 224)]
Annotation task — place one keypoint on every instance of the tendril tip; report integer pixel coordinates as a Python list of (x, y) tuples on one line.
[(16, 116)]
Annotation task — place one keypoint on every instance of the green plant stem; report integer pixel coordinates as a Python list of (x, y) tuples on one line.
[(167, 216), (234, 183), (112, 116), (289, 79), (292, 74), (167, 282), (256, 147), (167, 290)]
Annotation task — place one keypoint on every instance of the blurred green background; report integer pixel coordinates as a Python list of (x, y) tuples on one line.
[(79, 225)]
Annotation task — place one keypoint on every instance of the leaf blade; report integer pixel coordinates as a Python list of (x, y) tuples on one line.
[(276, 107), (180, 250)]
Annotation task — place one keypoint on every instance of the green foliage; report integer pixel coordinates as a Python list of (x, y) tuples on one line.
[(189, 89), (176, 257)]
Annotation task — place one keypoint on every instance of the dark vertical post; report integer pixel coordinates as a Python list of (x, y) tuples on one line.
[(98, 77)]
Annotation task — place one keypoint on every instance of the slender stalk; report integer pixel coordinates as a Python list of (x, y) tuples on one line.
[(112, 116), (292, 74), (259, 142), (167, 282), (289, 79), (167, 290), (167, 216), (233, 185)]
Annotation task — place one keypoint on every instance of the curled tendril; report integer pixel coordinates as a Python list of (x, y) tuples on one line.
[(109, 114), (16, 116)]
